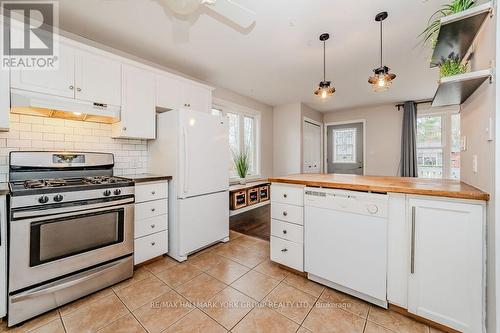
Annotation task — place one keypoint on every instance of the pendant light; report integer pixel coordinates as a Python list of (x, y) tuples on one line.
[(324, 89), (382, 78)]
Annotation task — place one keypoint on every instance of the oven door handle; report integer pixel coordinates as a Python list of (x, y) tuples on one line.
[(67, 282), (71, 210)]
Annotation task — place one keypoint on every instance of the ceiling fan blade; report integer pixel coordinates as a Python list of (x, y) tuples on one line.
[(234, 12), (180, 30)]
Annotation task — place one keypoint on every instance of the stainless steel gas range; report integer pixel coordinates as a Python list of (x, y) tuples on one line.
[(70, 229)]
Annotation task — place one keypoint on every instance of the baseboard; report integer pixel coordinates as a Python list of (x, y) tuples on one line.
[(405, 313)]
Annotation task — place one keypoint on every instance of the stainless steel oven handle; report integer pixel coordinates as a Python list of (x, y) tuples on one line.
[(77, 210), (67, 282)]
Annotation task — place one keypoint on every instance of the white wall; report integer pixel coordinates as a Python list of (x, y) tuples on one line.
[(383, 136), (39, 133), (266, 125), (475, 115), (287, 139)]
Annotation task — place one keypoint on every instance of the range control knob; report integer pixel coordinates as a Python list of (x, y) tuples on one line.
[(117, 191), (58, 198), (43, 199), (372, 209), (107, 193)]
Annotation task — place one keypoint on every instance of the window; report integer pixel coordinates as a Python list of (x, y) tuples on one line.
[(438, 145), (243, 127), (344, 145)]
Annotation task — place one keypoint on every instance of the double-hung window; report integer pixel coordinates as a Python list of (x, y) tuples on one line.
[(344, 145), (438, 145), (243, 135)]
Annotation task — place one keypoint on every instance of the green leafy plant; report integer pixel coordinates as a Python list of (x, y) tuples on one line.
[(451, 66), (430, 33), (242, 163)]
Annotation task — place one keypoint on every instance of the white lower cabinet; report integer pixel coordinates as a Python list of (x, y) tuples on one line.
[(446, 263), (287, 233), (151, 221)]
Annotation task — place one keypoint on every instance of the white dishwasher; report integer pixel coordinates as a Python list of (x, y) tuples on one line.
[(345, 241)]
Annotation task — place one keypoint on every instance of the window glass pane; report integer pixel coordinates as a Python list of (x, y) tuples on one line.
[(249, 140), (344, 145), (455, 146), (430, 162), (216, 112), (234, 140), (429, 131)]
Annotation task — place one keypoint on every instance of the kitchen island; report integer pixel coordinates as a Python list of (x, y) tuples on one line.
[(417, 244)]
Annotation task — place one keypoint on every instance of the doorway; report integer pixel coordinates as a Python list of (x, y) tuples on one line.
[(345, 151), (312, 146)]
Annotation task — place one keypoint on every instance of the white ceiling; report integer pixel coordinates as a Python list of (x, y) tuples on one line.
[(279, 59)]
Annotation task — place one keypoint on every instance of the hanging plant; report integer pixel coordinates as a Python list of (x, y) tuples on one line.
[(430, 34), (452, 66)]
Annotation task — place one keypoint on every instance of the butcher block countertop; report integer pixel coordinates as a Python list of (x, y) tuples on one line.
[(422, 186)]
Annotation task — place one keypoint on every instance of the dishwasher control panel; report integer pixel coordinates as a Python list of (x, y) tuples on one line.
[(373, 204)]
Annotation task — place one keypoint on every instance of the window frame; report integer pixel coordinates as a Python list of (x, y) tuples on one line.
[(354, 146), (229, 107), (446, 114)]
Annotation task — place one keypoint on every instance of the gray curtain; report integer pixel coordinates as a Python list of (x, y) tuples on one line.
[(409, 141)]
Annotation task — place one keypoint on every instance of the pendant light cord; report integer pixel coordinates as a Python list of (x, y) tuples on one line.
[(324, 61), (381, 46)]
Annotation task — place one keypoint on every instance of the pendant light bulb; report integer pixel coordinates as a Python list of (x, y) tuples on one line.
[(382, 78), (324, 89)]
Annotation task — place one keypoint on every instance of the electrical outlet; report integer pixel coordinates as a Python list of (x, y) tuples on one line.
[(474, 163)]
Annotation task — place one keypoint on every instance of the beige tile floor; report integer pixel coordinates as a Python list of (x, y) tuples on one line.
[(228, 287)]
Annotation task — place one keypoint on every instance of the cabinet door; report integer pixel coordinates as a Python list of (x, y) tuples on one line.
[(97, 78), (137, 117), (59, 82), (446, 272), (169, 92), (198, 98)]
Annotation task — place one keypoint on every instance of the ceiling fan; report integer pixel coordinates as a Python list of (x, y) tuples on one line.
[(242, 17)]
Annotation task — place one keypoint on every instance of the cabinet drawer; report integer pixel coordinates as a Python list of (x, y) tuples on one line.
[(293, 195), (287, 253), (149, 247), (151, 191), (150, 209), (288, 231), (144, 227), (288, 213)]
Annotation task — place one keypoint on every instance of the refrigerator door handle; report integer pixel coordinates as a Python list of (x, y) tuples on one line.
[(186, 160)]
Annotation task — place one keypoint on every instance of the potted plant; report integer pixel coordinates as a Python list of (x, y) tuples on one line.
[(451, 66), (242, 163), (430, 33)]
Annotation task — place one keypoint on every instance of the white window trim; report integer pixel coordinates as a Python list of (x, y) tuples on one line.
[(226, 106), (445, 113), (335, 160)]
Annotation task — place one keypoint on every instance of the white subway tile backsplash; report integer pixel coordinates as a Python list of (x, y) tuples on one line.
[(38, 133)]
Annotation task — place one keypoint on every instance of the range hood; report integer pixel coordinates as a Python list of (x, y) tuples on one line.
[(37, 104)]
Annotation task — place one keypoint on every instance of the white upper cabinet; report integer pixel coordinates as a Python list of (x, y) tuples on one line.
[(172, 93), (59, 82), (138, 113), (446, 262), (97, 79)]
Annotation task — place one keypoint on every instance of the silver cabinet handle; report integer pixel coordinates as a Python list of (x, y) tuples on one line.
[(153, 243), (284, 232), (71, 87), (78, 89), (412, 258), (153, 226), (284, 250), (285, 213)]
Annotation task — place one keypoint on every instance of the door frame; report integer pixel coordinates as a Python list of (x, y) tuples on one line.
[(325, 139), (321, 138)]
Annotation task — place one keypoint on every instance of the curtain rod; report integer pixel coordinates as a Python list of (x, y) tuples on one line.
[(423, 101)]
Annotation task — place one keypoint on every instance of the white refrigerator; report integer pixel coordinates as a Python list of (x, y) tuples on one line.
[(193, 148)]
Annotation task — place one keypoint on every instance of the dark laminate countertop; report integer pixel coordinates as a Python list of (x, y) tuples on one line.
[(422, 186), (146, 177)]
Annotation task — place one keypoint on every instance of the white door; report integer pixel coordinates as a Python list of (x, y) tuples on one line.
[(169, 92), (446, 274), (138, 112), (204, 147), (97, 79), (58, 82), (311, 148)]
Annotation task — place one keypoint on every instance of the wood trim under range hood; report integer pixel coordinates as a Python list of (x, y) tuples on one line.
[(36, 104)]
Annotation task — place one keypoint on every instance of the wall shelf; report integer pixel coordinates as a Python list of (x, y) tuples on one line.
[(455, 90), (458, 31)]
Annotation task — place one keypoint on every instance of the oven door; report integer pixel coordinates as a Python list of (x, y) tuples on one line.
[(47, 247)]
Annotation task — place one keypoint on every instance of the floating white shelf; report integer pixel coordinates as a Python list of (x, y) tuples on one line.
[(455, 90), (458, 31), (247, 208)]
